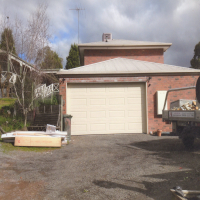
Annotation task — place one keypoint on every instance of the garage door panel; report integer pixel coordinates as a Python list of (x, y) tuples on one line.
[(134, 113), (97, 89), (135, 119), (136, 107), (97, 114), (116, 89), (98, 127), (135, 88), (117, 127), (134, 126), (107, 108), (79, 115), (117, 101), (134, 100), (75, 102), (79, 128), (97, 101), (80, 90), (116, 113)]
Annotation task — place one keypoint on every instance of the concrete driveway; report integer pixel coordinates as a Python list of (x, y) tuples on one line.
[(129, 166)]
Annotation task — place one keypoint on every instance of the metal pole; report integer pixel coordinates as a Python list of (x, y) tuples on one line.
[(176, 89), (78, 26), (78, 9)]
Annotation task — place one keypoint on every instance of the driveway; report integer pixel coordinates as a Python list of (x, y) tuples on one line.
[(99, 167)]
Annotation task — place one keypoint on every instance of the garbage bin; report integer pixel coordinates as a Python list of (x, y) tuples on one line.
[(67, 125)]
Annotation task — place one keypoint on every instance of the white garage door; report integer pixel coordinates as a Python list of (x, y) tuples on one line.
[(107, 108)]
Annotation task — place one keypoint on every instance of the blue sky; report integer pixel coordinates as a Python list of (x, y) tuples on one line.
[(171, 21)]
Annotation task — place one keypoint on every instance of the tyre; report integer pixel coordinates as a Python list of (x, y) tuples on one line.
[(188, 136), (188, 142)]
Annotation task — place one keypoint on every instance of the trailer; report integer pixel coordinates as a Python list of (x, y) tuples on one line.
[(185, 123)]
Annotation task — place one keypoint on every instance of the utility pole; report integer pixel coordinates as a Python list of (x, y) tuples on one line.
[(78, 9), (7, 47)]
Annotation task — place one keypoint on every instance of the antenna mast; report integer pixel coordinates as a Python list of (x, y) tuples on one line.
[(78, 9)]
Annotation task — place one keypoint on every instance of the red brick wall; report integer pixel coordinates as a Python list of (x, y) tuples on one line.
[(62, 92), (153, 85), (151, 55), (165, 83)]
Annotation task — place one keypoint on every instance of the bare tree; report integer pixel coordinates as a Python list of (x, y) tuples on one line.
[(29, 37), (24, 87), (32, 35)]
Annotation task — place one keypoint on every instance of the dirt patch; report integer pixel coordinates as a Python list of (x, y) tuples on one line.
[(21, 190), (129, 166)]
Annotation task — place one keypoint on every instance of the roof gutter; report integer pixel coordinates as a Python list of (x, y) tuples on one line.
[(128, 74)]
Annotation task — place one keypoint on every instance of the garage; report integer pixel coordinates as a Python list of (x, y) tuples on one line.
[(106, 108)]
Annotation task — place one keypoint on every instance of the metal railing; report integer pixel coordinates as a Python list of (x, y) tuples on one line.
[(45, 91), (176, 89), (12, 79)]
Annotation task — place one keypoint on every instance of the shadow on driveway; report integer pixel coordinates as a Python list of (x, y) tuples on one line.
[(182, 168)]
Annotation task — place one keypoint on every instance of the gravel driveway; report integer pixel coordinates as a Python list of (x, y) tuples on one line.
[(124, 166)]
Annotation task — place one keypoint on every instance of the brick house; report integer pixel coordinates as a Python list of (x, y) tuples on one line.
[(120, 87)]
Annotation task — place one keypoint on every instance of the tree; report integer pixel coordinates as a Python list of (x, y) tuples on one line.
[(24, 88), (48, 59), (29, 38), (195, 62), (7, 41), (73, 59), (7, 44)]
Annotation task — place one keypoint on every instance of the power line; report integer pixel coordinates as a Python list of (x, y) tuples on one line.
[(78, 9)]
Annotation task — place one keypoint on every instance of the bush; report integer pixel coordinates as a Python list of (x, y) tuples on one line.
[(7, 121), (47, 101)]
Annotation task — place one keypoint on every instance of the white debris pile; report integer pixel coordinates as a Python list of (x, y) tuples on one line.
[(50, 138), (187, 106)]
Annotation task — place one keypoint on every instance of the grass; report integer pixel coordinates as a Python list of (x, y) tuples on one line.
[(9, 124), (7, 121), (8, 147), (6, 102)]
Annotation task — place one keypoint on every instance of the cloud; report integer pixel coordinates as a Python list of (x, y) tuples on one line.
[(145, 20)]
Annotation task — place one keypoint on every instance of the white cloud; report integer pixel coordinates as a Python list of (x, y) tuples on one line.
[(146, 20)]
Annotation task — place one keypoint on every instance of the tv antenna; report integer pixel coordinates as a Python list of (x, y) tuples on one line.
[(78, 9)]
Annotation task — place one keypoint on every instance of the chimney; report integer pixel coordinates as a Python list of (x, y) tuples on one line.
[(106, 37)]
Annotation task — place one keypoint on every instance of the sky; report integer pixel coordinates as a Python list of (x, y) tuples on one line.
[(170, 21)]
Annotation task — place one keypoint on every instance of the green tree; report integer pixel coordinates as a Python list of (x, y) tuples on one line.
[(195, 62), (73, 59), (7, 41), (48, 59)]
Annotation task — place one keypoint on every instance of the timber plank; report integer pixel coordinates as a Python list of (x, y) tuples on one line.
[(37, 141)]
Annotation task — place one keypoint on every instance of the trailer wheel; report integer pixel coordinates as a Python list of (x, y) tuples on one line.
[(188, 142), (188, 136)]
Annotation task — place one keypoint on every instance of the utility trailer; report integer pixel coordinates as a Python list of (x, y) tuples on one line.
[(185, 123)]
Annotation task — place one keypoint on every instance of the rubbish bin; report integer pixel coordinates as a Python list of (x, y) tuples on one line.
[(67, 125)]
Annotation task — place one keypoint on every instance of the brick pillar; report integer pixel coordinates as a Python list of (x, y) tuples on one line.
[(62, 92)]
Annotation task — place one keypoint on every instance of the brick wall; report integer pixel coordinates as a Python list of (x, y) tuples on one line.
[(153, 85), (151, 55), (165, 83)]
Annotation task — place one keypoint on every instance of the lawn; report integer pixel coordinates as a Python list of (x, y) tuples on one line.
[(6, 102), (7, 147)]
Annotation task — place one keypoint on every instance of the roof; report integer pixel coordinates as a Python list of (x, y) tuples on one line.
[(50, 71), (128, 67), (126, 43), (18, 59), (122, 44)]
